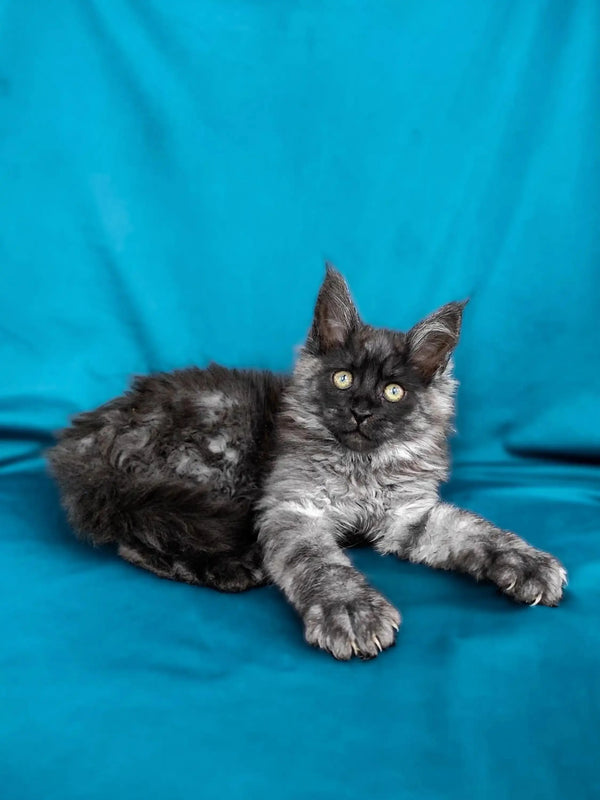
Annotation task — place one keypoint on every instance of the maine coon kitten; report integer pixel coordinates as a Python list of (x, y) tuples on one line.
[(230, 478)]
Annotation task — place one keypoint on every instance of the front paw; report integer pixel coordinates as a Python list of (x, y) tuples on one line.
[(529, 575), (362, 626)]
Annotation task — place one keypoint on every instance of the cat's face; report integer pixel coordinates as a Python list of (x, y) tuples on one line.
[(367, 389), (372, 386)]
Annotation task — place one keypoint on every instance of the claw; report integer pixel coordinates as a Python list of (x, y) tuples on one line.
[(537, 599), (378, 644), (395, 627), (355, 648), (512, 586)]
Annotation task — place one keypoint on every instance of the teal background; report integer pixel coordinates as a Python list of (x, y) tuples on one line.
[(172, 177)]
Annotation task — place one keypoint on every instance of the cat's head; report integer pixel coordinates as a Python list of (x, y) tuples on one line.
[(372, 386)]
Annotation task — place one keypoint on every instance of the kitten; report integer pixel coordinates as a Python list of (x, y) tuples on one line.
[(230, 478)]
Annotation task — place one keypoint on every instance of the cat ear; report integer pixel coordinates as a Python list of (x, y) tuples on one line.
[(431, 341), (335, 313)]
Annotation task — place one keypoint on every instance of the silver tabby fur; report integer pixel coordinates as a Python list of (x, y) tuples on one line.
[(230, 478)]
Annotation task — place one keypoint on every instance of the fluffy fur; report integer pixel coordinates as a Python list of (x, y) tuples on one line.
[(171, 471), (230, 478)]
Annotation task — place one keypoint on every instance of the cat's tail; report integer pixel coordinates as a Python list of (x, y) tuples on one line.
[(105, 503), (176, 530)]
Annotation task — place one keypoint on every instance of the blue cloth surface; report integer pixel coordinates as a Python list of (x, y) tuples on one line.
[(173, 176)]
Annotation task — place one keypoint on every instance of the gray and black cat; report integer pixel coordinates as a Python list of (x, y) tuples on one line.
[(230, 478)]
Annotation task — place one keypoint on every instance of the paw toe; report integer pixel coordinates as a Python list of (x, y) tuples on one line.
[(530, 576), (363, 627)]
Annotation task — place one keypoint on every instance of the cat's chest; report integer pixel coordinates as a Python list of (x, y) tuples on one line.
[(359, 500)]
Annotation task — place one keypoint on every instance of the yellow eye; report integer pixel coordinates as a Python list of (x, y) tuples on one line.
[(393, 392), (342, 379)]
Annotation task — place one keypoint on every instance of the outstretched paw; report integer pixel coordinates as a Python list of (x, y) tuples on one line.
[(363, 626), (529, 576)]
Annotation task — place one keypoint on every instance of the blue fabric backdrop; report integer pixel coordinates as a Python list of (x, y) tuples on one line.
[(173, 175)]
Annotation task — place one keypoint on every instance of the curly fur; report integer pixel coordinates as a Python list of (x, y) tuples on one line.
[(230, 478)]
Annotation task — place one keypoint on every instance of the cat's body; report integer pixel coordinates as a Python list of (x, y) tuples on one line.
[(227, 478), (171, 470)]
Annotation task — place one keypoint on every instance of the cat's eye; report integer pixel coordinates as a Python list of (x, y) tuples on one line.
[(342, 379), (393, 392)]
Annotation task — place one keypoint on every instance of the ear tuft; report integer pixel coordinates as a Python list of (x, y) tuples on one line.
[(335, 313), (431, 341)]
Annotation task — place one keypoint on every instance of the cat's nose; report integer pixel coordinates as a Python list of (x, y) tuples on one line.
[(360, 416)]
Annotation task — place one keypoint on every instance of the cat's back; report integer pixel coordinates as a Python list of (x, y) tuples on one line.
[(206, 400), (211, 426)]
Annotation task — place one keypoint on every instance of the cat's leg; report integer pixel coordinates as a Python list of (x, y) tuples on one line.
[(341, 612), (447, 537), (225, 573)]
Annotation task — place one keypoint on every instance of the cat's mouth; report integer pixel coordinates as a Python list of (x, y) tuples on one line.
[(355, 431), (358, 432), (356, 439)]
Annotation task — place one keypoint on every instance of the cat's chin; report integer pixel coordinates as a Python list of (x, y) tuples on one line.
[(357, 442)]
